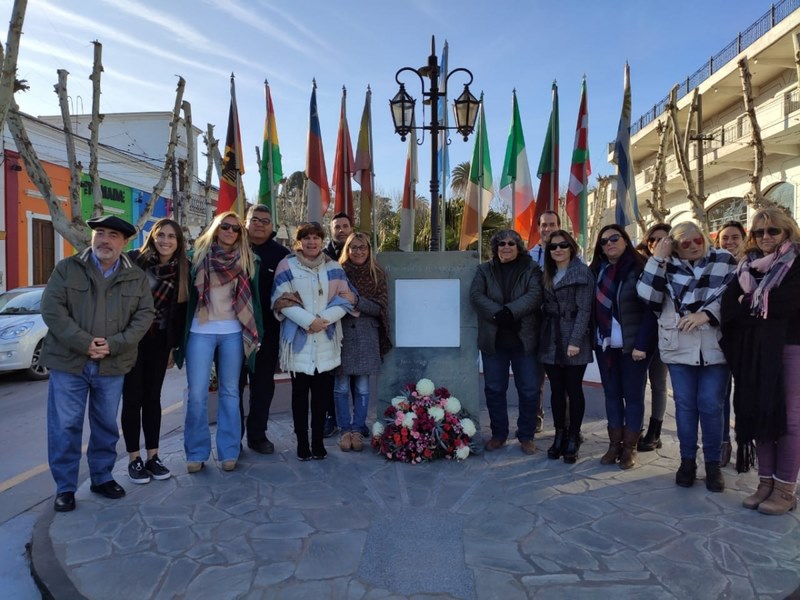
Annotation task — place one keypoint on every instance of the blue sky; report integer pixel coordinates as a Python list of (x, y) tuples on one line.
[(522, 45)]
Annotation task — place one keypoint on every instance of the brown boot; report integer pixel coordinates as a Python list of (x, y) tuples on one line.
[(614, 446), (629, 443), (762, 492), (782, 499)]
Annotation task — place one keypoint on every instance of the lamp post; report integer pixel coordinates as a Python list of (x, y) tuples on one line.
[(465, 108)]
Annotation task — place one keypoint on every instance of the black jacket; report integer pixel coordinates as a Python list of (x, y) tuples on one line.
[(270, 253)]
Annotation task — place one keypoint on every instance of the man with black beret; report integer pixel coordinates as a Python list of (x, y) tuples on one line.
[(97, 306)]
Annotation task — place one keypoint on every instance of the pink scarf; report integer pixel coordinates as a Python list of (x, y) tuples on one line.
[(774, 266)]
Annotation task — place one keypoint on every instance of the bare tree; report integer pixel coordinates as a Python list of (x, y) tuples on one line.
[(8, 60), (753, 197), (94, 128), (681, 145), (656, 203), (600, 205), (72, 163)]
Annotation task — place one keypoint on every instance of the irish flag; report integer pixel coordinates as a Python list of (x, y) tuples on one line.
[(516, 186), (479, 188), (407, 206), (579, 172)]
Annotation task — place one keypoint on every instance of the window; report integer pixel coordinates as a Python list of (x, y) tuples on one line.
[(782, 194), (729, 209)]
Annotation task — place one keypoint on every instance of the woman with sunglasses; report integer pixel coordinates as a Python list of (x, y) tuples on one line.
[(566, 342), (310, 296), (624, 339), (365, 338), (683, 282), (761, 339), (506, 293), (657, 371), (730, 237), (223, 317)]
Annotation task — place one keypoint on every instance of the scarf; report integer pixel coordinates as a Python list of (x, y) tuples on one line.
[(220, 268), (773, 267), (361, 279), (605, 295), (695, 286), (165, 277)]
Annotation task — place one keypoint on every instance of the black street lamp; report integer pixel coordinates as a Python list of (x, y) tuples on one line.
[(465, 108)]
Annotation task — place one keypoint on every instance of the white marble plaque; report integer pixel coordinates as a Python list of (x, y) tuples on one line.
[(427, 313)]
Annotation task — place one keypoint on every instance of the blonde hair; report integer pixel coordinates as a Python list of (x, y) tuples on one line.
[(687, 230), (374, 267), (777, 217), (203, 243)]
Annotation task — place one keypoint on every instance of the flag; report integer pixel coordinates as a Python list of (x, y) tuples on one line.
[(343, 165), (363, 170), (318, 194), (231, 194), (479, 188), (627, 211), (271, 168), (408, 204), (516, 186), (579, 172), (443, 155), (547, 198)]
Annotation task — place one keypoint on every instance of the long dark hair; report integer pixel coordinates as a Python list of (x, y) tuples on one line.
[(599, 256), (149, 250), (550, 264)]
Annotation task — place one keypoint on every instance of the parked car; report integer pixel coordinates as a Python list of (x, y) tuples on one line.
[(22, 331)]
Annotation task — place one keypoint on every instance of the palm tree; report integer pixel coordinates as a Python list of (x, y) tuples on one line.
[(459, 179)]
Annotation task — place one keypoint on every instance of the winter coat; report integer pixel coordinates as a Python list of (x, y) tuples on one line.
[(567, 311), (360, 342), (637, 321), (79, 304), (486, 296)]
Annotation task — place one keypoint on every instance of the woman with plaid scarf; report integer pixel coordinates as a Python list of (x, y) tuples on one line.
[(683, 282), (224, 317), (761, 340), (163, 259)]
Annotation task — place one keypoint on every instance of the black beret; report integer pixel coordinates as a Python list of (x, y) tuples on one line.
[(112, 222)]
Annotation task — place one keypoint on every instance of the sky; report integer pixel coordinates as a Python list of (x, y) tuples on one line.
[(507, 44)]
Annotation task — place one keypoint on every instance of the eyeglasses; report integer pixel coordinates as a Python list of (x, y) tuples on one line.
[(359, 248), (698, 241), (261, 221), (612, 239), (562, 245), (500, 244), (772, 231), (655, 240), (230, 227)]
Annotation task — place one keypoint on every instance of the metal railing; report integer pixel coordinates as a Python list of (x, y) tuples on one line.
[(777, 13)]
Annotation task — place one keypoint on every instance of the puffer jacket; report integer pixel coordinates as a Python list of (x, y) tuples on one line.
[(486, 296), (75, 295), (567, 310), (320, 352)]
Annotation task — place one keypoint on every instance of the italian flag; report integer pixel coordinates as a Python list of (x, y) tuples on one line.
[(516, 187)]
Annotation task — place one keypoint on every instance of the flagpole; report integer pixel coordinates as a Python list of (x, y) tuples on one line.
[(480, 183), (514, 181), (373, 199), (239, 207), (551, 200)]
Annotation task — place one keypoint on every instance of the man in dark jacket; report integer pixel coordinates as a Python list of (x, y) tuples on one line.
[(262, 380), (97, 306)]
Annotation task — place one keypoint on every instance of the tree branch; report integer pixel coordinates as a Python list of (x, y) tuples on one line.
[(74, 169), (94, 128)]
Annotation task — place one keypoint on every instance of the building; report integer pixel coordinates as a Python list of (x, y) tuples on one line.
[(770, 45)]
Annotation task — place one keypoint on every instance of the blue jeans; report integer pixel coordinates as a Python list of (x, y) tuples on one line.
[(66, 406), (200, 349), (624, 381), (341, 395), (699, 394), (525, 367)]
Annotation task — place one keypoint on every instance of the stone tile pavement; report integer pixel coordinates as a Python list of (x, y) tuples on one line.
[(500, 525)]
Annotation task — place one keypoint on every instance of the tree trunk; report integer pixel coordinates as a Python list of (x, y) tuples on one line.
[(189, 170), (171, 145), (94, 128), (681, 147), (600, 204), (72, 163), (8, 74), (754, 197), (213, 150), (73, 231), (656, 204)]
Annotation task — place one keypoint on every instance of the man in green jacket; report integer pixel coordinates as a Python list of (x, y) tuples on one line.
[(97, 306)]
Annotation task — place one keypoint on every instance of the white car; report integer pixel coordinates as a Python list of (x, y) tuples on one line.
[(22, 331)]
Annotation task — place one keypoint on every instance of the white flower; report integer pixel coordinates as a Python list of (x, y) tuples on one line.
[(377, 429), (453, 405), (425, 387), (408, 420), (462, 452), (468, 427), (398, 400), (436, 412)]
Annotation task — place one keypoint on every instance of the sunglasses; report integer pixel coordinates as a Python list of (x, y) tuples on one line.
[(562, 245), (655, 240), (230, 227), (613, 239), (500, 244), (698, 241), (772, 231)]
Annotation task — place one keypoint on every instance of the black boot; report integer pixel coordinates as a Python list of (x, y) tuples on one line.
[(651, 439), (714, 480), (557, 449), (571, 450), (687, 473)]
